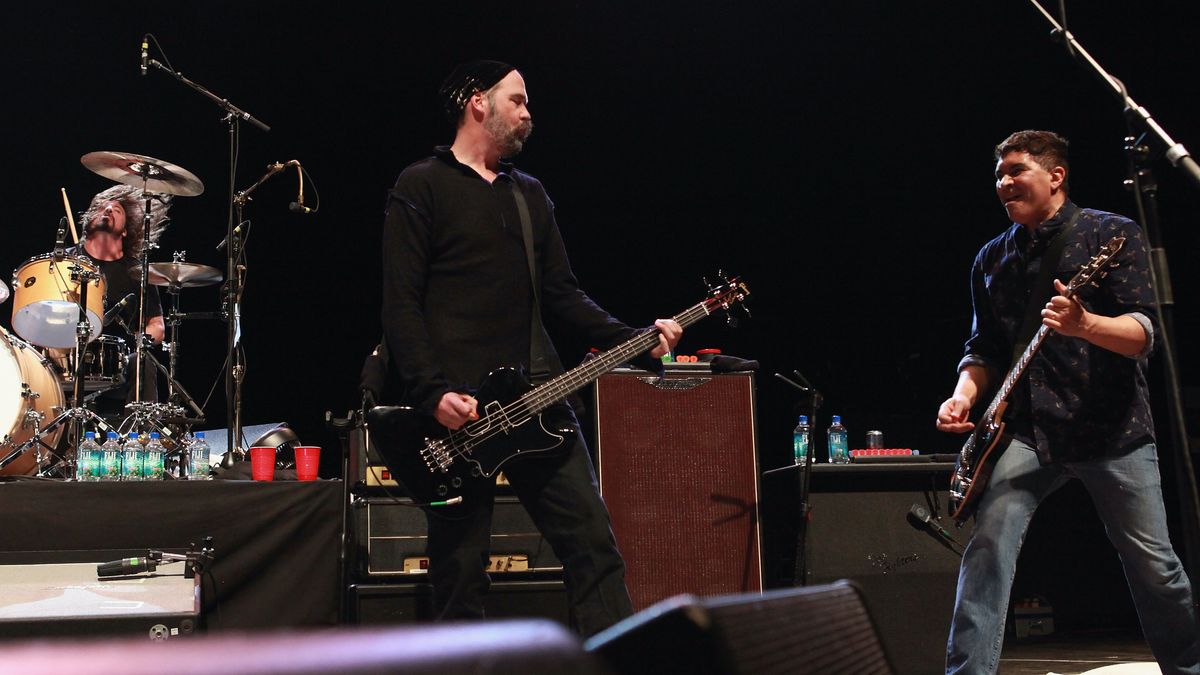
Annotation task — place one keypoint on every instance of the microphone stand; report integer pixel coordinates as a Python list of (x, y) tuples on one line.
[(232, 311), (1145, 192), (800, 570)]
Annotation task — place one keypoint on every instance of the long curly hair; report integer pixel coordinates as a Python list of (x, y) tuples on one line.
[(132, 199)]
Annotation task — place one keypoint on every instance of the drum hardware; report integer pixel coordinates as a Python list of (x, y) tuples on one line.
[(154, 176), (177, 275), (73, 417)]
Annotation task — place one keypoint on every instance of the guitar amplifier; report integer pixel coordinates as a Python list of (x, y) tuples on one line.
[(678, 469), (391, 539)]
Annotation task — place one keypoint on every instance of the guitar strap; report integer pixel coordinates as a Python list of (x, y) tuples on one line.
[(539, 362), (1037, 297)]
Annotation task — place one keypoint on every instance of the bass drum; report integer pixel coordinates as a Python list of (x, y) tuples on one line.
[(30, 396)]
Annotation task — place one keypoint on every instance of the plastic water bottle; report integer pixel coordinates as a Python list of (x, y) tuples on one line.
[(132, 458), (152, 467), (839, 448), (87, 458), (199, 452), (110, 458), (801, 439)]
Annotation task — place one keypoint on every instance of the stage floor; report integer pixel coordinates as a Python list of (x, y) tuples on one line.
[(1073, 654)]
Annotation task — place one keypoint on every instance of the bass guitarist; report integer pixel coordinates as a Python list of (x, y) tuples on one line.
[(1081, 411), (464, 234)]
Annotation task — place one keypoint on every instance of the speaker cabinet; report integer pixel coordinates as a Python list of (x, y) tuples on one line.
[(392, 536), (408, 603), (678, 469), (861, 529), (794, 631)]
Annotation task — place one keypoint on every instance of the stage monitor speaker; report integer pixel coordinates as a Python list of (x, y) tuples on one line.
[(678, 468), (819, 629), (494, 647), (862, 529)]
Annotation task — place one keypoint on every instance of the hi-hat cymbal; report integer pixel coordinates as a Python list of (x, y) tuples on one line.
[(183, 274), (154, 175)]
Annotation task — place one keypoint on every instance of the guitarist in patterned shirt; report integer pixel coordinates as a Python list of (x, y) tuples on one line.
[(1081, 410)]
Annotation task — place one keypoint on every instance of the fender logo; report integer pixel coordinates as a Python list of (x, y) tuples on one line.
[(883, 562)]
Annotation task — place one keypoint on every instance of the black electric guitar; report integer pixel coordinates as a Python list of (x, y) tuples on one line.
[(436, 465), (982, 450)]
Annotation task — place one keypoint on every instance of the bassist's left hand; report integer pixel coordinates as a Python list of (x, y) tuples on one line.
[(669, 333)]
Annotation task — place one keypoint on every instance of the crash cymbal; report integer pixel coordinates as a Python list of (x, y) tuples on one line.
[(183, 274), (154, 175)]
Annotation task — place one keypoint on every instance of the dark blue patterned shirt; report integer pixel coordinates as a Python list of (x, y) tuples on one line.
[(1076, 400)]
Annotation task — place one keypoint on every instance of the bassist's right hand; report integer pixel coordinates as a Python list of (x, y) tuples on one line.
[(952, 415), (455, 410)]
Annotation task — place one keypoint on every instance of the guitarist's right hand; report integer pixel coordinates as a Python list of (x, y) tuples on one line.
[(455, 410), (952, 415)]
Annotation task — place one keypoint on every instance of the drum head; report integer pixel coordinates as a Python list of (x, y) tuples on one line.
[(51, 323)]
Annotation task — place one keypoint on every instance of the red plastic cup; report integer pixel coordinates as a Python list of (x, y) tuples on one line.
[(308, 460), (262, 463)]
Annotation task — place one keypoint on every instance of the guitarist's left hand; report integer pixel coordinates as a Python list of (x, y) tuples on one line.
[(1066, 315), (669, 333)]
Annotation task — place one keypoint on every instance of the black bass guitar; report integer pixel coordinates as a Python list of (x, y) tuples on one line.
[(439, 466), (988, 441)]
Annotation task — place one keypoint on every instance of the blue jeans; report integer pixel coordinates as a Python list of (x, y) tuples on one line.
[(1127, 493)]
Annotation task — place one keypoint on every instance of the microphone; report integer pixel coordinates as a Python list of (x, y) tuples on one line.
[(921, 514), (280, 166), (145, 53), (297, 207), (126, 566), (60, 240), (237, 231), (116, 309)]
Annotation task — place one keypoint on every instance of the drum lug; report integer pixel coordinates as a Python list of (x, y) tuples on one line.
[(33, 420), (26, 392)]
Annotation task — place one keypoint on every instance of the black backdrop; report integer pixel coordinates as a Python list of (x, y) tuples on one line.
[(837, 155)]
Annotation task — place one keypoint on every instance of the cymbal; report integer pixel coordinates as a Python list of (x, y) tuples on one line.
[(154, 175), (183, 274)]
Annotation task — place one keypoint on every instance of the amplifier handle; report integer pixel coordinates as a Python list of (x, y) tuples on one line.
[(675, 383)]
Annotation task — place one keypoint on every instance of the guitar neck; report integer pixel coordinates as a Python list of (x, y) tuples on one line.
[(558, 388), (1017, 370)]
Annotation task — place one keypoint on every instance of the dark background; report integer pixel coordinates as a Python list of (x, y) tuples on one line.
[(836, 155)]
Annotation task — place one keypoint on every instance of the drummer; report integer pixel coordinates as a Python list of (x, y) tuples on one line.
[(113, 238)]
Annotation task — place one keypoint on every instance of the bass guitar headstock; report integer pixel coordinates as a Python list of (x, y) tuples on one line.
[(727, 293)]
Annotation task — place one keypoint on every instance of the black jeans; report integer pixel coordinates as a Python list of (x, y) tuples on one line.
[(562, 497)]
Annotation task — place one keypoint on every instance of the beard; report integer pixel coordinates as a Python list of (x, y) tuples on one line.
[(509, 138), (99, 224)]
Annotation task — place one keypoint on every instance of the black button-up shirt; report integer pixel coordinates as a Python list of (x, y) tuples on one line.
[(1076, 400)]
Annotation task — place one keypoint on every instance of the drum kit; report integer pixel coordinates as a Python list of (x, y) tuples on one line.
[(60, 354)]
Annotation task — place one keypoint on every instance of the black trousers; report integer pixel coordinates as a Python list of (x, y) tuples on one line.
[(562, 497)]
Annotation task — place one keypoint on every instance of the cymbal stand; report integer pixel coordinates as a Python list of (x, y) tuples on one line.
[(144, 265), (174, 321)]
